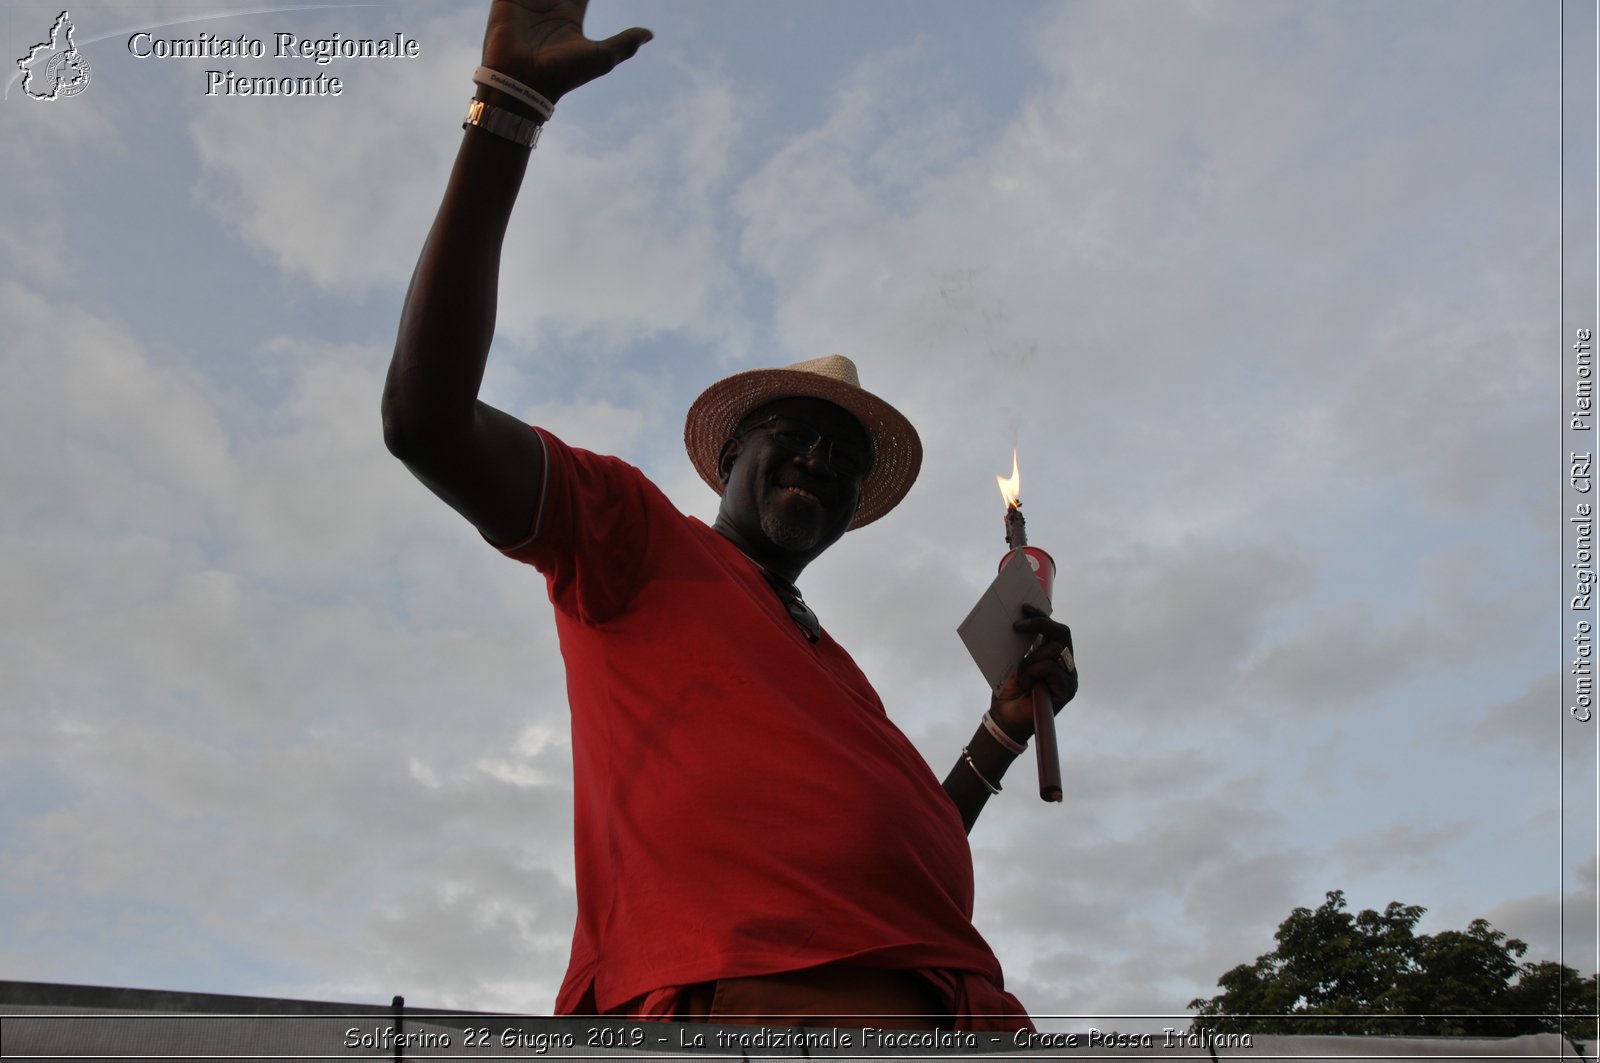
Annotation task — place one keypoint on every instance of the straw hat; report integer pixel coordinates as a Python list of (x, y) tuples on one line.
[(896, 450)]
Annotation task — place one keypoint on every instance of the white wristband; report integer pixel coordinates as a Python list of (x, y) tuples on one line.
[(512, 87), (1011, 745)]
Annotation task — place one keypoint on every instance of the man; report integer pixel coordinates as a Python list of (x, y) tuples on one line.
[(755, 839)]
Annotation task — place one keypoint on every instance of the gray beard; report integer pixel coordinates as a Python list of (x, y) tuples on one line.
[(788, 534)]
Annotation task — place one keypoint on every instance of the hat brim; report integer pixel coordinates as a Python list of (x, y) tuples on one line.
[(896, 447)]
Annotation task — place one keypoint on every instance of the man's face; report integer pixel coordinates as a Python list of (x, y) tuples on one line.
[(793, 480)]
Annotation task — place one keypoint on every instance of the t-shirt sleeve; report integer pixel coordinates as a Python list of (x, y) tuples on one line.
[(590, 530)]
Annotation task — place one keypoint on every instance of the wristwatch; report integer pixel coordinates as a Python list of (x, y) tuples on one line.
[(502, 123)]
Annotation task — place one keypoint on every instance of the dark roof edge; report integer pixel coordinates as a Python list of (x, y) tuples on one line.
[(114, 998)]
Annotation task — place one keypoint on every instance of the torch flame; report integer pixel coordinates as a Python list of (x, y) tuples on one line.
[(1011, 490)]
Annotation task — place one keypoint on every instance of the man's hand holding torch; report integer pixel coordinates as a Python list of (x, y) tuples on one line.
[(1048, 666), (1031, 687)]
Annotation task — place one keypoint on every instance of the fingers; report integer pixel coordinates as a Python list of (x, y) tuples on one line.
[(541, 43), (1063, 683), (1060, 680), (601, 57), (1050, 661), (622, 46), (1050, 632)]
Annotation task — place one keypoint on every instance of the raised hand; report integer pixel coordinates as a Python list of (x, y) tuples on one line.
[(541, 44)]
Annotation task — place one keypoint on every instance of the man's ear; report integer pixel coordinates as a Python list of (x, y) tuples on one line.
[(725, 460)]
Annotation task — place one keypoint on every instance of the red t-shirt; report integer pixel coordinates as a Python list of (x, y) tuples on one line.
[(743, 804)]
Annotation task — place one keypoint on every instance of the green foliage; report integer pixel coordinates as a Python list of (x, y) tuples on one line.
[(1371, 974)]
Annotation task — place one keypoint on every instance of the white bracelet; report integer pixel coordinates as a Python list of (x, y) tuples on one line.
[(512, 87), (965, 755), (1011, 744)]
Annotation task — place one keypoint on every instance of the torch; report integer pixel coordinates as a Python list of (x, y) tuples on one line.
[(1044, 570)]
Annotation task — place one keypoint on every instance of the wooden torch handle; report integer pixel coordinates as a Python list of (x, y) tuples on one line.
[(1044, 741)]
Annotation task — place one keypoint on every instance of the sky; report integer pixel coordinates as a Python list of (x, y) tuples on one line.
[(1266, 293)]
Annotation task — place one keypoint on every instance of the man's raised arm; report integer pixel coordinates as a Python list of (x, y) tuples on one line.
[(483, 462)]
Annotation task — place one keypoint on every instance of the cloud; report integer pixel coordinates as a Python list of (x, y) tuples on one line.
[(1190, 308), (1400, 846), (118, 440), (1522, 725), (1177, 624), (1340, 657), (221, 710), (1225, 272), (1161, 869), (612, 240), (1556, 925), (623, 241), (336, 190), (1190, 260)]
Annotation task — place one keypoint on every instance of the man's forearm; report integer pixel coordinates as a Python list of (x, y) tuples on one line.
[(1049, 665), (448, 321), (966, 783), (485, 463)]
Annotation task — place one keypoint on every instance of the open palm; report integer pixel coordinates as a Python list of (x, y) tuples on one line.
[(541, 44)]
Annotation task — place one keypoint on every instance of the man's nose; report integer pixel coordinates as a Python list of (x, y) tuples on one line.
[(818, 460)]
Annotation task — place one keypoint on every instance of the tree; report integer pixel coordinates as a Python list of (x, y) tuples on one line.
[(1370, 973)]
